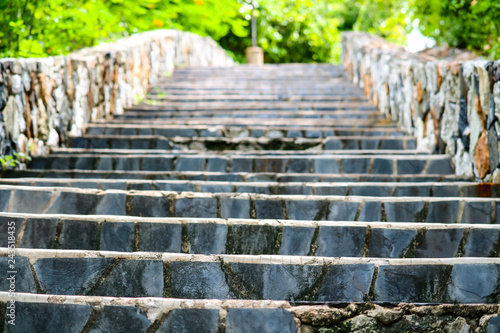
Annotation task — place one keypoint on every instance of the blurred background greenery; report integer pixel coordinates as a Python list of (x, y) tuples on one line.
[(288, 31)]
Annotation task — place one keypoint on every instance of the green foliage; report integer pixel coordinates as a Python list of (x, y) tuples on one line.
[(472, 24), (36, 28), (12, 161), (309, 30)]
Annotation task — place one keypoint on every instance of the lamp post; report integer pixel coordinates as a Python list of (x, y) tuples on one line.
[(254, 54)]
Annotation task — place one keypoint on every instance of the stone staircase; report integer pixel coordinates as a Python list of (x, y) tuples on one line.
[(244, 199)]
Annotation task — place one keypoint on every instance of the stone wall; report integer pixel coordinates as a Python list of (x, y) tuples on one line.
[(447, 99), (44, 101)]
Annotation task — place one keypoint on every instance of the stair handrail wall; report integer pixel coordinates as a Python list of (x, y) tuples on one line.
[(45, 100), (449, 99)]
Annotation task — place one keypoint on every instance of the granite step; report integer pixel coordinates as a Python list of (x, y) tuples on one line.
[(218, 97), (141, 315), (313, 151), (260, 106), (270, 277), (343, 164), (151, 113), (230, 176), (252, 237), (165, 203), (215, 143), (384, 189), (168, 130), (290, 123)]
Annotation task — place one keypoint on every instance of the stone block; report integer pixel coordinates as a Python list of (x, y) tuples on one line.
[(346, 283), (443, 211), (323, 165), (69, 276), (371, 191), (117, 236), (24, 281), (337, 241), (200, 280), (296, 241), (355, 165), (235, 208), (241, 165), (481, 242), (439, 243), (30, 201), (304, 209), (474, 283), (412, 191), (149, 206), (298, 166), (477, 212), (410, 211), (190, 164), (268, 209), (75, 203), (191, 320), (421, 283), (157, 163), (5, 223), (196, 207), (253, 239), (216, 165), (4, 200), (371, 212), (39, 233), (112, 204), (342, 210), (410, 167), (134, 278), (160, 237), (121, 319), (50, 317), (79, 235), (390, 243), (276, 165), (440, 167), (207, 238)]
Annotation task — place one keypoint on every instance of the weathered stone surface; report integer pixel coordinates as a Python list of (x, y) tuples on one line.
[(296, 241), (191, 320), (23, 280), (390, 243), (133, 278), (207, 238), (346, 283), (341, 241), (77, 234), (196, 207), (420, 284), (121, 319), (39, 233), (260, 320), (473, 283), (69, 276), (160, 237), (36, 317), (117, 236), (200, 280)]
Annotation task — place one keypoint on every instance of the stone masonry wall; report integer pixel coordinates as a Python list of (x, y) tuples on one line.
[(45, 100), (448, 100)]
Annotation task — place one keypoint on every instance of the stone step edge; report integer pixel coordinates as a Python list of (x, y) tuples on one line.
[(268, 259), (222, 127), (253, 222), (159, 304), (261, 140), (243, 174), (305, 317), (256, 196), (208, 154), (271, 153)]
